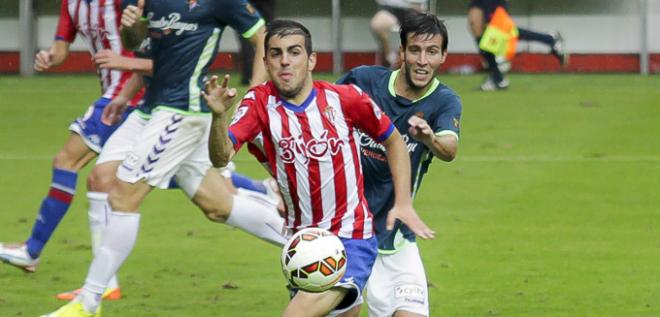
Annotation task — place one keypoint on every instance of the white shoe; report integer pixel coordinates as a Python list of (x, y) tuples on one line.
[(490, 85), (17, 255), (559, 49)]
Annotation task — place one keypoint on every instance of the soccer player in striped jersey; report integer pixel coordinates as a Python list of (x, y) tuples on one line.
[(306, 130), (427, 114), (167, 137), (97, 23)]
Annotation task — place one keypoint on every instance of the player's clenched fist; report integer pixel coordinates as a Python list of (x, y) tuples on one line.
[(420, 129), (43, 61), (132, 14)]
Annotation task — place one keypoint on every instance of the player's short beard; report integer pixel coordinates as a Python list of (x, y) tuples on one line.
[(409, 80), (291, 94)]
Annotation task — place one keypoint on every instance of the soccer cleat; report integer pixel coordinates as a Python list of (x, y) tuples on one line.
[(491, 85), (559, 49), (73, 309), (17, 255), (109, 294)]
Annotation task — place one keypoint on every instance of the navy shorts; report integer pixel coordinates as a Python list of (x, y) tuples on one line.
[(94, 132), (361, 256)]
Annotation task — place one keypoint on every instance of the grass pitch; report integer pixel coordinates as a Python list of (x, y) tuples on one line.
[(550, 209)]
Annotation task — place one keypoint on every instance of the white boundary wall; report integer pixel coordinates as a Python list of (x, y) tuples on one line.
[(617, 32)]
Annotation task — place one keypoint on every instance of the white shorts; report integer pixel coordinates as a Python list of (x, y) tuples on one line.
[(166, 145), (398, 282)]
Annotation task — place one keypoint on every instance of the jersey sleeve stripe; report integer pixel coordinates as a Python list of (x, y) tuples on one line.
[(386, 134), (232, 137), (249, 33), (447, 132)]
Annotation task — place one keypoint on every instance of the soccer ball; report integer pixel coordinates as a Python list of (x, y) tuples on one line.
[(313, 260)]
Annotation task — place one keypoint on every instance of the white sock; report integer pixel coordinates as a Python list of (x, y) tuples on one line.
[(118, 241), (99, 211), (258, 219)]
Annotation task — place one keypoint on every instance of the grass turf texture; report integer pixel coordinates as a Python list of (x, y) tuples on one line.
[(550, 209)]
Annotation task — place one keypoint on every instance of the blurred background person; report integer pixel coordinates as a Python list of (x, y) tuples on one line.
[(386, 21), (480, 12), (246, 52)]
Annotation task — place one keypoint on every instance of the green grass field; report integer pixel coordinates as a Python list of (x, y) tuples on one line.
[(552, 208)]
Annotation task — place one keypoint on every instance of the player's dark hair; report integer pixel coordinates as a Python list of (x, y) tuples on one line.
[(427, 24), (283, 28)]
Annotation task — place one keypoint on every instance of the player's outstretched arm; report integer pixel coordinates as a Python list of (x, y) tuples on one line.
[(399, 163), (55, 56), (133, 28), (444, 147), (107, 59), (219, 99), (259, 74)]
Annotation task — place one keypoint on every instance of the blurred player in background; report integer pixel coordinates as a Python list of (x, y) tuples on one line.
[(167, 137), (427, 114), (97, 23), (246, 53), (387, 19), (264, 192), (480, 13), (304, 131)]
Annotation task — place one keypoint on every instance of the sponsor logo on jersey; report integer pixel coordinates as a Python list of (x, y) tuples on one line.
[(317, 148), (171, 24), (369, 143)]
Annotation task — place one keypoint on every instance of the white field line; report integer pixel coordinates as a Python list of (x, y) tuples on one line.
[(459, 158)]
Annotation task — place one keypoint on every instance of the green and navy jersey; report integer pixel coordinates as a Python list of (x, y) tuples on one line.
[(184, 42), (440, 107)]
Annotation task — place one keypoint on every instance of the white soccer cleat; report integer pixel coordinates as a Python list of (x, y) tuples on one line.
[(491, 85), (559, 49), (17, 255)]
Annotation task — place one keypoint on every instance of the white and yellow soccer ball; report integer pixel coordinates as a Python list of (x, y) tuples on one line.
[(313, 260)]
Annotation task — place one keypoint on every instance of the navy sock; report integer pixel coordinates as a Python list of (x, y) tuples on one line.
[(494, 72), (527, 35), (245, 182), (53, 208)]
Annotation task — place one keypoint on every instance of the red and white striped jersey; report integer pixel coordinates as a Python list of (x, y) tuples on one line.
[(313, 152), (97, 22)]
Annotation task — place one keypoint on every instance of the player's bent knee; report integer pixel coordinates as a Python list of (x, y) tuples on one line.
[(213, 210), (100, 181), (63, 160), (127, 197)]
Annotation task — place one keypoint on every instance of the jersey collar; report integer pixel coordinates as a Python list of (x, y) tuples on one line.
[(390, 86), (303, 106)]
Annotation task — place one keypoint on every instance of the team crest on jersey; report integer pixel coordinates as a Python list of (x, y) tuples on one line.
[(330, 113), (192, 4)]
